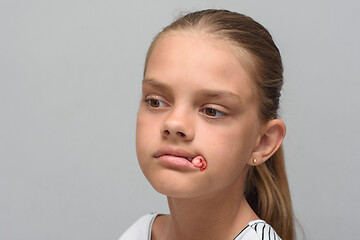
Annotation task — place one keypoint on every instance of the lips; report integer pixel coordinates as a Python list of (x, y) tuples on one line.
[(176, 152)]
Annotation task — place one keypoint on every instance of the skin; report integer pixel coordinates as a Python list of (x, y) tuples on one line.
[(198, 97)]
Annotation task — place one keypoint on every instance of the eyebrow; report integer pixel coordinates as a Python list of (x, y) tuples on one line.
[(217, 93), (155, 84), (207, 93)]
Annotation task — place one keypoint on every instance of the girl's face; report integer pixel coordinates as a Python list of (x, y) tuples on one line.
[(198, 100)]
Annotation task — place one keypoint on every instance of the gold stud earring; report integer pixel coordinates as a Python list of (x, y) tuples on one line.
[(254, 160)]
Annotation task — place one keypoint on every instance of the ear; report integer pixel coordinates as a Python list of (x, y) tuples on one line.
[(268, 142)]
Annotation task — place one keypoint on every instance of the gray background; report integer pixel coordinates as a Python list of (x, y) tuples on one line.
[(70, 74)]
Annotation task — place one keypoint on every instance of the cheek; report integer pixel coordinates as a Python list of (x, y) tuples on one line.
[(144, 132), (147, 139), (229, 148), (227, 154), (146, 127)]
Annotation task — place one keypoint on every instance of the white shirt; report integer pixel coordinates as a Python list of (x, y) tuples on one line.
[(255, 230)]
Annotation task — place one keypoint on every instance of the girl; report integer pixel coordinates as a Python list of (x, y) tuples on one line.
[(208, 136)]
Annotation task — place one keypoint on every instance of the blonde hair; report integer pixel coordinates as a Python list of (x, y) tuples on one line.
[(267, 189)]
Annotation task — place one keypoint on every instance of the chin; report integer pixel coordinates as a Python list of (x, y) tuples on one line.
[(178, 193), (177, 185)]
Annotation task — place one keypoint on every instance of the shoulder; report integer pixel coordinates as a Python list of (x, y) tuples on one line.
[(141, 229), (256, 230)]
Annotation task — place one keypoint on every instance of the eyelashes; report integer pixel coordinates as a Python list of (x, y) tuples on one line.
[(212, 112), (155, 103)]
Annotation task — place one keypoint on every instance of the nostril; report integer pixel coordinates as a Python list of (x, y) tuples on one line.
[(169, 133), (181, 134)]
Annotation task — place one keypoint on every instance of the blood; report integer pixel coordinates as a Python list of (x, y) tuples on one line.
[(199, 162)]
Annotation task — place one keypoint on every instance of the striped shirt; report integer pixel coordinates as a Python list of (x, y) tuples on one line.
[(255, 230)]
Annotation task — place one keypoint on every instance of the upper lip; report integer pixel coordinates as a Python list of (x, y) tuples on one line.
[(178, 152)]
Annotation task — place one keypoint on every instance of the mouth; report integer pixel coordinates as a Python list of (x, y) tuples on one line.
[(177, 158), (179, 153)]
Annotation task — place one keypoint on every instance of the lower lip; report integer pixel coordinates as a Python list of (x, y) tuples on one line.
[(175, 162)]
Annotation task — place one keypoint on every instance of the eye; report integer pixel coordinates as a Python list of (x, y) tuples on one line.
[(211, 112), (155, 103)]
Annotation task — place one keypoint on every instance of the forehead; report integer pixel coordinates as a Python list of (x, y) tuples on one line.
[(198, 59)]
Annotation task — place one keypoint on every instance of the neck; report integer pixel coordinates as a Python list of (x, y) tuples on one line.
[(219, 216)]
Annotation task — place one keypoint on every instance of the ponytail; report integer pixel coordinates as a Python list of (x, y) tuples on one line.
[(267, 192)]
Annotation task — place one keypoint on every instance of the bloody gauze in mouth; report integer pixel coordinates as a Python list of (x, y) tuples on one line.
[(199, 162)]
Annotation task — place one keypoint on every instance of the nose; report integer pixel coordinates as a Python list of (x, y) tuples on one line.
[(178, 125)]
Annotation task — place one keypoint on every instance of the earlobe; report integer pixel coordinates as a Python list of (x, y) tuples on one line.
[(269, 142)]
